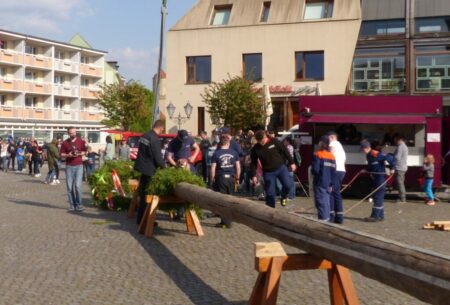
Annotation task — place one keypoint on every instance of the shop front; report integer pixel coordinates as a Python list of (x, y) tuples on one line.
[(377, 119)]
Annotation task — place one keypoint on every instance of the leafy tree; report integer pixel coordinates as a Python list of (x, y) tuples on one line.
[(234, 103), (128, 107)]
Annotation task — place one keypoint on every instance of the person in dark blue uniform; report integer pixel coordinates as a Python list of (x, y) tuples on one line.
[(149, 159), (377, 169), (225, 170), (324, 171)]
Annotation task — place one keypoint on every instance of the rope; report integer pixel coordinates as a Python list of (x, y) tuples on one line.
[(370, 194), (351, 181), (301, 185)]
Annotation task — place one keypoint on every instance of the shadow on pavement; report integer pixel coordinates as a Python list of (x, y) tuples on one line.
[(194, 287), (36, 204)]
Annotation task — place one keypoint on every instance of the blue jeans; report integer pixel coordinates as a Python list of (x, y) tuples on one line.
[(74, 177), (428, 188), (5, 164), (37, 166), (19, 165), (90, 169), (336, 206), (270, 182)]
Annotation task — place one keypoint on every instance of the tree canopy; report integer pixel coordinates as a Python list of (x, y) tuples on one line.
[(128, 107), (234, 103)]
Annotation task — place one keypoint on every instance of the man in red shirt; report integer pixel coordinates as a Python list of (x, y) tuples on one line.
[(73, 149)]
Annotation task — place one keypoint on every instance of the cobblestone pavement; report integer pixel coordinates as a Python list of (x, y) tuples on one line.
[(50, 256)]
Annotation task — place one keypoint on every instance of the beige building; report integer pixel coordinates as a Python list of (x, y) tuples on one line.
[(46, 86), (296, 47)]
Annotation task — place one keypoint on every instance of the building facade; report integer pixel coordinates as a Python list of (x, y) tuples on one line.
[(296, 47), (403, 49), (46, 86)]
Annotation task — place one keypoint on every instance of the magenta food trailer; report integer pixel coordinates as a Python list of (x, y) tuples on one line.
[(375, 118)]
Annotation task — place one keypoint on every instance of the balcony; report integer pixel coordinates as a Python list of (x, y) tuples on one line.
[(38, 61), (11, 85), (11, 57), (65, 114), (25, 113), (67, 66), (63, 90), (89, 92), (38, 88), (95, 116), (95, 71)]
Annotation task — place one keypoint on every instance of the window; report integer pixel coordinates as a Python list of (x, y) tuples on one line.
[(3, 45), (59, 103), (379, 69), (318, 9), (31, 101), (29, 75), (309, 65), (84, 59), (265, 11), (93, 136), (85, 82), (434, 24), (252, 64), (2, 100), (433, 68), (221, 15), (30, 50), (383, 27), (59, 79), (60, 54), (2, 72), (198, 69)]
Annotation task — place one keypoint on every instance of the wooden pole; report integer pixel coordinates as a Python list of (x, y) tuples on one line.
[(418, 272)]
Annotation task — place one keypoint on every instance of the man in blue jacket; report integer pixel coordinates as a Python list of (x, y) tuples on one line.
[(377, 170)]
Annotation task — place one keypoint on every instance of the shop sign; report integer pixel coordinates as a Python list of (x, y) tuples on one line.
[(433, 137)]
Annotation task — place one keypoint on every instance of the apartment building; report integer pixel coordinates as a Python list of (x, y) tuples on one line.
[(46, 86), (403, 49), (296, 47)]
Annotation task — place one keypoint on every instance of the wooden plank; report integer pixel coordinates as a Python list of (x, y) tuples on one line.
[(196, 223), (346, 284), (144, 220), (189, 222), (294, 262), (256, 297), (150, 225), (336, 296), (272, 284), (269, 249), (420, 273)]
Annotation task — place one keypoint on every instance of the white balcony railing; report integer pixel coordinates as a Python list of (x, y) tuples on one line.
[(65, 90), (67, 66), (11, 57), (66, 114)]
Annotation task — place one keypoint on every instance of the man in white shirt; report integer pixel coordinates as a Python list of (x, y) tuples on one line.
[(336, 206)]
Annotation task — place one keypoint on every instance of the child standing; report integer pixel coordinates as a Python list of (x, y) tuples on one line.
[(90, 163), (19, 156), (428, 168), (324, 170)]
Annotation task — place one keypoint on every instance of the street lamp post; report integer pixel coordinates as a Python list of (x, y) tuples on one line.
[(180, 120)]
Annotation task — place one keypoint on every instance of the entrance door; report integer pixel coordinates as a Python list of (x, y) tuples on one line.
[(201, 119)]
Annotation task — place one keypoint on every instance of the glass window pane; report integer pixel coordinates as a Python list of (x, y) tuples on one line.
[(445, 84), (253, 67), (315, 10), (314, 63), (299, 65), (373, 74), (265, 12), (358, 74), (399, 67), (360, 63), (203, 69), (437, 72), (433, 24), (360, 86), (423, 61), (383, 27), (374, 63), (386, 69), (221, 16), (442, 60), (422, 72), (93, 137)]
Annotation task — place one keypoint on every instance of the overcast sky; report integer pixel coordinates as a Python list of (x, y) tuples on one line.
[(128, 30)]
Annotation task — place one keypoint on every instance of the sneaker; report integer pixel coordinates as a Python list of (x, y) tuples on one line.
[(53, 183), (431, 203), (372, 219), (283, 202), (71, 209), (79, 208), (45, 182), (222, 225), (400, 201), (37, 175), (57, 181)]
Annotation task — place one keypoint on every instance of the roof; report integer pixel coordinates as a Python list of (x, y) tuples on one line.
[(50, 41), (248, 12)]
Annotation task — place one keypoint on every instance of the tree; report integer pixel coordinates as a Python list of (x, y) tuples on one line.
[(234, 103), (128, 107)]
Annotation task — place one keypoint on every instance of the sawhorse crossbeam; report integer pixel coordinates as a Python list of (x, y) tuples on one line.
[(271, 260)]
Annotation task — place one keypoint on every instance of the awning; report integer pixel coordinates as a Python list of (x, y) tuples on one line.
[(367, 119)]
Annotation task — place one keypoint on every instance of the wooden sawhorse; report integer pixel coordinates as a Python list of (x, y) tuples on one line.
[(134, 187), (271, 260), (148, 220)]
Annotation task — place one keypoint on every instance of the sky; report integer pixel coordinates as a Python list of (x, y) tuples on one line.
[(127, 30)]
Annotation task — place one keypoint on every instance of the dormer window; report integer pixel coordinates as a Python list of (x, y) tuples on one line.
[(318, 9), (221, 15), (265, 11)]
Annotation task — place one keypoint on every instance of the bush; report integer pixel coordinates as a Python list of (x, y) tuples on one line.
[(102, 184), (164, 182)]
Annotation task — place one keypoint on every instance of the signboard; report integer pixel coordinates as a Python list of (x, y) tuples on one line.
[(433, 137)]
